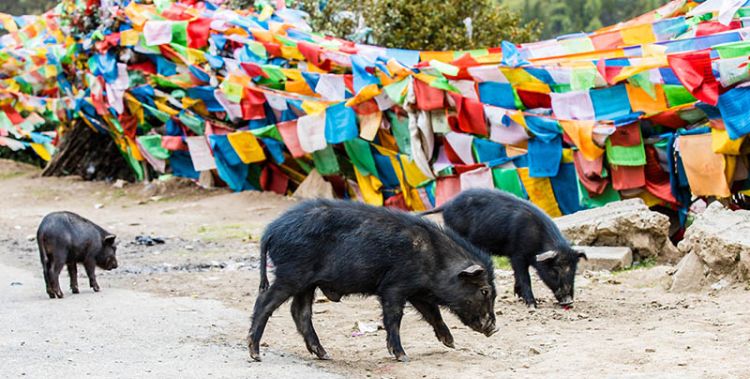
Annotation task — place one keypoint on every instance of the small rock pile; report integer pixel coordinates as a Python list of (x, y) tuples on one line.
[(716, 246)]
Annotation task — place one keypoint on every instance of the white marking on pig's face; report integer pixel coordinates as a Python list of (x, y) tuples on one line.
[(546, 255)]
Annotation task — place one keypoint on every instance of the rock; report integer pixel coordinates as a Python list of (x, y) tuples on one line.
[(119, 183), (623, 223), (690, 274), (721, 238), (605, 258), (314, 186), (98, 206)]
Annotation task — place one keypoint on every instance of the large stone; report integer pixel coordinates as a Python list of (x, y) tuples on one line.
[(721, 238), (605, 258), (314, 186), (623, 223), (690, 274)]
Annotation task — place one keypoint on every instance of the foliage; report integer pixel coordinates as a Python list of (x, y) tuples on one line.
[(573, 16), (24, 156), (416, 24), (440, 25), (23, 7)]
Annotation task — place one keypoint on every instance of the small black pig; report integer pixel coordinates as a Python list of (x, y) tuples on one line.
[(503, 224), (66, 238), (348, 248)]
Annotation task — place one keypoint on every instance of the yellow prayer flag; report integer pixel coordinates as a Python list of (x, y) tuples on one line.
[(41, 151), (540, 192), (720, 143), (369, 187), (366, 93), (581, 132), (246, 146), (638, 35), (129, 37), (313, 107)]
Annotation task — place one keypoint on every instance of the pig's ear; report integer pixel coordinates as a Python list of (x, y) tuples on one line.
[(582, 255), (473, 271), (109, 239), (546, 255)]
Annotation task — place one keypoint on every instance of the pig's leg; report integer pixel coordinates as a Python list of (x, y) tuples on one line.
[(54, 277), (393, 311), (302, 315), (47, 270), (431, 314), (522, 286), (73, 272), (266, 303), (90, 267)]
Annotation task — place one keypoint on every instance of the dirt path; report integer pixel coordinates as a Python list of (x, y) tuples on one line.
[(125, 334), (623, 324)]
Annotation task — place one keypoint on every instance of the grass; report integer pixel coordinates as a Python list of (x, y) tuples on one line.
[(216, 233), (501, 263), (10, 174), (639, 265)]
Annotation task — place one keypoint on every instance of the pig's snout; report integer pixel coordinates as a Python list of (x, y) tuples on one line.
[(566, 300), (488, 327)]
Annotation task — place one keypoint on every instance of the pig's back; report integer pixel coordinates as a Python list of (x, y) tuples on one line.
[(499, 222), (66, 229)]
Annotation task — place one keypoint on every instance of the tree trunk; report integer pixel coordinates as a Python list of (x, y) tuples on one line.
[(91, 155)]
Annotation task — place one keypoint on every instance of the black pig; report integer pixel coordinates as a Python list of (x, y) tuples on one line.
[(348, 248), (503, 224), (66, 238)]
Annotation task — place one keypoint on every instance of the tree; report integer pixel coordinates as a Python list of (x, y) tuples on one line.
[(440, 25), (24, 7), (420, 24), (573, 16)]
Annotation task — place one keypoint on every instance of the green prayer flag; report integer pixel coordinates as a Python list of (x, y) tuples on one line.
[(195, 123), (152, 144), (179, 33), (396, 91), (444, 84), (677, 95), (444, 68), (507, 179), (270, 131), (233, 91), (162, 116), (609, 196), (325, 161), (361, 156), (733, 50), (643, 81), (626, 155), (400, 131), (258, 49), (582, 79)]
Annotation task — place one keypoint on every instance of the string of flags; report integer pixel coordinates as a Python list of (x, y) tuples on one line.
[(655, 107)]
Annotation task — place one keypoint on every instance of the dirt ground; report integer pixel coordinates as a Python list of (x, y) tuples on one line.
[(623, 324)]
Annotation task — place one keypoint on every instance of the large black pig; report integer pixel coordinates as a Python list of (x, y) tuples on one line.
[(66, 238), (503, 224), (348, 248)]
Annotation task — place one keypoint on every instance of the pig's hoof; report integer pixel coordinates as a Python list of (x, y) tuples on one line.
[(95, 288), (402, 358), (59, 294), (51, 295), (447, 341), (254, 353), (321, 353), (74, 290)]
